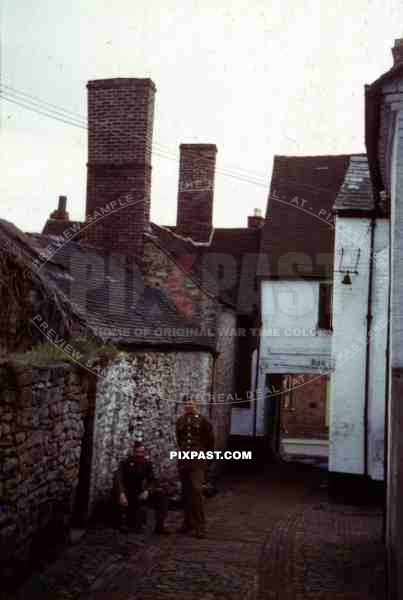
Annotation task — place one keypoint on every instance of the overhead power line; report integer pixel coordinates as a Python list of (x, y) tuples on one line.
[(62, 115), (81, 119)]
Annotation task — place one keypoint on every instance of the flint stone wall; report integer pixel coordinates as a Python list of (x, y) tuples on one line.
[(141, 401)]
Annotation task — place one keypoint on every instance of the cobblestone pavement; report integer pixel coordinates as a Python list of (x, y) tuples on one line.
[(268, 538), (325, 551)]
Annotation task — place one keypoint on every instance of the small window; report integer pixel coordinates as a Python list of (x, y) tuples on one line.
[(325, 306)]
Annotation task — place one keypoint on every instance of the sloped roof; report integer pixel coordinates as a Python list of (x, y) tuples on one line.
[(118, 306), (107, 298), (395, 71), (240, 245), (355, 195), (373, 102), (27, 292), (299, 215)]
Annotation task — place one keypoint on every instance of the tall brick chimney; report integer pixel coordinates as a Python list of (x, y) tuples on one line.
[(120, 128), (397, 51), (196, 191)]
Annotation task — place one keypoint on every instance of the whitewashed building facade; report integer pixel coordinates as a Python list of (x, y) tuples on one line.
[(360, 317)]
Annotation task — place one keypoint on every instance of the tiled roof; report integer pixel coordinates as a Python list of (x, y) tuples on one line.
[(374, 106), (115, 306), (120, 308), (355, 194), (241, 246), (395, 71), (299, 215)]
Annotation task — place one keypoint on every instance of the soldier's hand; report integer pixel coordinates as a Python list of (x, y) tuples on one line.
[(123, 500)]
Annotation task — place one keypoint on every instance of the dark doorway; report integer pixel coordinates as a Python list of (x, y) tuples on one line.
[(272, 413)]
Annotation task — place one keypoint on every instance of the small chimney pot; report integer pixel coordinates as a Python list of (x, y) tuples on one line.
[(397, 51), (60, 214), (256, 220)]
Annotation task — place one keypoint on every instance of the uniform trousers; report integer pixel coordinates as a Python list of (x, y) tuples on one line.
[(192, 478)]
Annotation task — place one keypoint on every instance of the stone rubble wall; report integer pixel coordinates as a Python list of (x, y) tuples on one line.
[(41, 428)]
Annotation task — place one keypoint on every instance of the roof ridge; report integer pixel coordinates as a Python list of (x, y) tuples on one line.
[(186, 238)]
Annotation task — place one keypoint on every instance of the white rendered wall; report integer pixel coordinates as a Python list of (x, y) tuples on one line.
[(347, 396), (378, 363), (291, 305)]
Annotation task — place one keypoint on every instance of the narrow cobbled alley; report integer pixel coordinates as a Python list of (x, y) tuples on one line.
[(272, 535)]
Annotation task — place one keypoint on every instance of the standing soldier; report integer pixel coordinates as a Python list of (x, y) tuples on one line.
[(193, 433)]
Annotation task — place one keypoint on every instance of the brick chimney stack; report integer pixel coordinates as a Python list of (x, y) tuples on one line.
[(60, 214), (256, 220), (196, 191), (397, 51), (120, 128)]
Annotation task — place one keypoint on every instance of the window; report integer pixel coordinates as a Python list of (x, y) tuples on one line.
[(325, 306)]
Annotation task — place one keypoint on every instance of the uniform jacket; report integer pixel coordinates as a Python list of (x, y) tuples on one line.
[(194, 432), (132, 477)]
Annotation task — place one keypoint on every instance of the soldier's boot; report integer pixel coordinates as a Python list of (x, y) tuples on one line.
[(123, 524), (160, 528), (186, 527), (161, 511), (140, 519)]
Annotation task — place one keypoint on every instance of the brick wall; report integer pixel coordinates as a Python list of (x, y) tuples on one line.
[(120, 122), (41, 429), (196, 191)]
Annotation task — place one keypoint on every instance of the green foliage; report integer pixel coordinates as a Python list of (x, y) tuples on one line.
[(46, 354)]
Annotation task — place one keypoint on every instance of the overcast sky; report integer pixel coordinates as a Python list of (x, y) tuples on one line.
[(257, 78)]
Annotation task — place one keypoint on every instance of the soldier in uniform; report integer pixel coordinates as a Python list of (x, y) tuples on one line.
[(136, 486), (193, 433)]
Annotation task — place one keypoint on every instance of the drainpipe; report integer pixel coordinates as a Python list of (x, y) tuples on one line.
[(368, 350), (387, 383), (256, 383)]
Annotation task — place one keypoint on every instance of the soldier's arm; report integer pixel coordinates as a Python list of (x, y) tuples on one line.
[(209, 435), (119, 480), (152, 483)]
